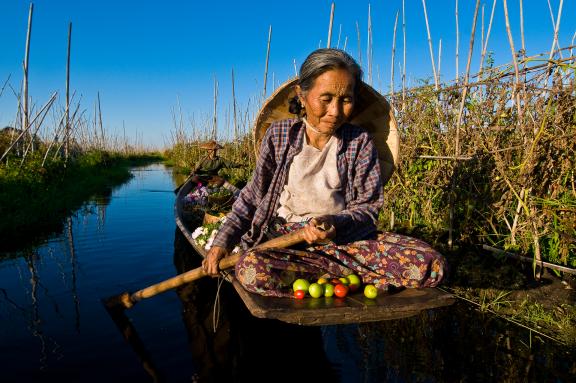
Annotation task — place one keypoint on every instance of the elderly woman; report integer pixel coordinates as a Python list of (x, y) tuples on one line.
[(320, 173)]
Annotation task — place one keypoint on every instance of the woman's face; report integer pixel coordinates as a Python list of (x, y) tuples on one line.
[(330, 101)]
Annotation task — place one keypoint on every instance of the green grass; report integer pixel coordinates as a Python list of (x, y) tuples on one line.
[(35, 200)]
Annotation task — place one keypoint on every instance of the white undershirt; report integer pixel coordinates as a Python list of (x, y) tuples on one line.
[(313, 186)]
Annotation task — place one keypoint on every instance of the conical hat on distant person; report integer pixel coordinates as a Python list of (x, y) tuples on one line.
[(210, 145), (371, 111)]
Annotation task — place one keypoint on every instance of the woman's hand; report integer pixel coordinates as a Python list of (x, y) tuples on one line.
[(210, 263), (319, 230)]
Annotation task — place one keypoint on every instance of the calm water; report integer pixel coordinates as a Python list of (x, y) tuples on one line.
[(53, 326)]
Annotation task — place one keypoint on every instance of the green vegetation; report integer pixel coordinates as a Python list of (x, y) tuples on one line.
[(35, 199)]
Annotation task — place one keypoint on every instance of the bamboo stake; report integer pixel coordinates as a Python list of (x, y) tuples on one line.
[(267, 58), (359, 48), (482, 29), (555, 41), (295, 70), (236, 135), (485, 46), (439, 58), (101, 125), (369, 46), (514, 59), (25, 114), (67, 134), (5, 83), (466, 76), (345, 43), (24, 131), (457, 40), (430, 46), (404, 56), (393, 55), (522, 28), (330, 25), (553, 22), (214, 116), (339, 34)]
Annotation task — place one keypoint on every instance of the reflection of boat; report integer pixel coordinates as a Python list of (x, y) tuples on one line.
[(321, 311)]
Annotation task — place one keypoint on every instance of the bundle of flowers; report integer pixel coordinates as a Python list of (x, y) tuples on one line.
[(197, 197), (204, 235)]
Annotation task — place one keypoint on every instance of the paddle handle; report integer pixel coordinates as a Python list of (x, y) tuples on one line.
[(286, 240), (179, 280)]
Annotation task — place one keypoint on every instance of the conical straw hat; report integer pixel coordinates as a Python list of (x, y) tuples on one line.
[(210, 145), (371, 111)]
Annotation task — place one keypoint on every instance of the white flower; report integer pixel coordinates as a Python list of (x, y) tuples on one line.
[(197, 232)]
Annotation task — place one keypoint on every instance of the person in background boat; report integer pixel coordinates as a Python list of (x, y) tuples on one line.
[(313, 171), (206, 170)]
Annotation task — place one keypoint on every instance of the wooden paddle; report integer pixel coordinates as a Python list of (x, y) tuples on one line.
[(127, 300)]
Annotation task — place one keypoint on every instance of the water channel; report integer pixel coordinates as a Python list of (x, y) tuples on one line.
[(54, 327)]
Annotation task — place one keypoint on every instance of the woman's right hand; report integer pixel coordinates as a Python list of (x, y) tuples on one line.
[(210, 263)]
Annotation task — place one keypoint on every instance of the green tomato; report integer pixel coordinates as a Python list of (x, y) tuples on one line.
[(354, 279), (300, 284), (315, 290), (370, 291), (328, 289)]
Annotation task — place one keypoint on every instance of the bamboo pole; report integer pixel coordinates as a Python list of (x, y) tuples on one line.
[(514, 60), (214, 116), (430, 46), (553, 23), (457, 40), (101, 125), (236, 135), (25, 114), (466, 76), (339, 35), (485, 46), (67, 134), (439, 59), (267, 59), (330, 25), (369, 46), (522, 28), (393, 55), (404, 56), (359, 48), (555, 41), (24, 131)]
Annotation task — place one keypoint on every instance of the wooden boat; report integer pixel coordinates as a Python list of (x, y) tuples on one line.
[(355, 308)]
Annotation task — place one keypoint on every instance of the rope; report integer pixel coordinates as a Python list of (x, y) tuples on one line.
[(216, 311)]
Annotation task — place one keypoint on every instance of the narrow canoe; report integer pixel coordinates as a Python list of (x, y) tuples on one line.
[(355, 308)]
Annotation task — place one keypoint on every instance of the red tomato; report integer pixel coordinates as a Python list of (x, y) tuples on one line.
[(299, 294), (341, 290)]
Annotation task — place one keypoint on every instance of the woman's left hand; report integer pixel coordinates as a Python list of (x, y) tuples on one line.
[(319, 230)]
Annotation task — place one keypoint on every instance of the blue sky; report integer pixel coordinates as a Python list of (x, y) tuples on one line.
[(143, 57)]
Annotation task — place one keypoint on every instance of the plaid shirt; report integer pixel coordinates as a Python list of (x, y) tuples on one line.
[(256, 206)]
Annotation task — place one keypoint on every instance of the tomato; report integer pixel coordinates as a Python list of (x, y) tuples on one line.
[(354, 279), (341, 290), (299, 294), (328, 289), (316, 290), (301, 284), (370, 291)]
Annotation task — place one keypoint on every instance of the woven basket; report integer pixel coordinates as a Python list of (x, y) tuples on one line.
[(209, 218)]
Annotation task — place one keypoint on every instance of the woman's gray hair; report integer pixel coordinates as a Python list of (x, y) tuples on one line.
[(323, 60)]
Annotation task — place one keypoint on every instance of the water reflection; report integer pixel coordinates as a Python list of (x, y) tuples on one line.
[(228, 344)]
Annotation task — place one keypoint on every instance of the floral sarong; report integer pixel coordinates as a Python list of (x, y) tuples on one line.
[(390, 260)]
